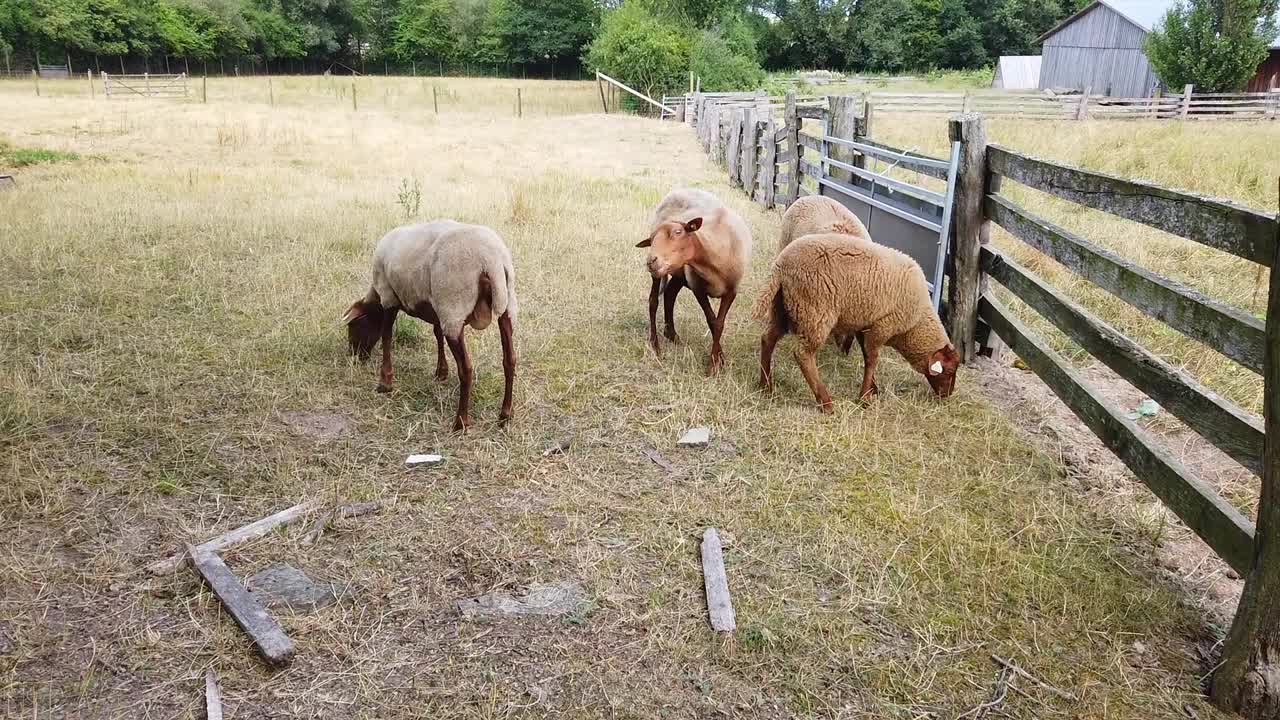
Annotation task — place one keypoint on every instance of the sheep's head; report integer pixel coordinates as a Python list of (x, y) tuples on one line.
[(941, 371), (672, 246)]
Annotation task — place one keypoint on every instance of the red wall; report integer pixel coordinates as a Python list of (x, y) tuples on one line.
[(1268, 74)]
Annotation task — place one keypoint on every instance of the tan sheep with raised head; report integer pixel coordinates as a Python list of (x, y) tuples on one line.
[(816, 215), (822, 284), (448, 274), (696, 242)]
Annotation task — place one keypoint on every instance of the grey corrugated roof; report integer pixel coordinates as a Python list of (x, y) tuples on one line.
[(1146, 14), (1018, 72)]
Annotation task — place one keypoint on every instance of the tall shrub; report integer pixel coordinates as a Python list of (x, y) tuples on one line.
[(1216, 45), (641, 50)]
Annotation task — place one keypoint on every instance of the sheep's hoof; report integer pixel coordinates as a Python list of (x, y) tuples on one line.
[(671, 336), (505, 417), (714, 365), (826, 407), (461, 423), (442, 374), (384, 388)]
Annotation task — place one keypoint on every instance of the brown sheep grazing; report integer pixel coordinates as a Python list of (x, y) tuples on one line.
[(818, 214), (695, 242), (834, 283), (448, 274)]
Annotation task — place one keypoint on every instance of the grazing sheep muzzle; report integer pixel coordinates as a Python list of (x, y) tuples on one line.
[(941, 372)]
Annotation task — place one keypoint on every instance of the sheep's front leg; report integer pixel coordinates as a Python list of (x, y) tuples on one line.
[(654, 291), (805, 357), (716, 324), (768, 341), (508, 364), (385, 374), (442, 365), (675, 284), (462, 359)]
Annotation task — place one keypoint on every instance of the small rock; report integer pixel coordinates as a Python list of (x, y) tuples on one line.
[(7, 643), (286, 586), (695, 437), (538, 599), (1233, 574), (561, 446), (7, 182), (416, 460), (1139, 647)]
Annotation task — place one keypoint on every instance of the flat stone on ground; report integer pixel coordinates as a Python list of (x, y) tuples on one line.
[(564, 598), (695, 437), (285, 586)]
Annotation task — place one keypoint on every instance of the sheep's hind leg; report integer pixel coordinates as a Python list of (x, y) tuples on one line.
[(654, 291), (871, 344), (805, 357), (675, 284), (866, 361), (508, 364), (463, 360), (768, 341), (442, 365), (385, 374)]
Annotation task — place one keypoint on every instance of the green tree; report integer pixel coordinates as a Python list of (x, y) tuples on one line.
[(722, 69), (274, 37), (544, 31), (1216, 45), (959, 43), (423, 30), (640, 49)]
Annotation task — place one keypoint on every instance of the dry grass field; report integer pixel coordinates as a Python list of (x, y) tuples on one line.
[(172, 366)]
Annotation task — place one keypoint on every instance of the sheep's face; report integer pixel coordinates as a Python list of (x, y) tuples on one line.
[(672, 246), (941, 372)]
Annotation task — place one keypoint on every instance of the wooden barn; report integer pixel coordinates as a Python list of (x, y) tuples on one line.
[(1100, 47)]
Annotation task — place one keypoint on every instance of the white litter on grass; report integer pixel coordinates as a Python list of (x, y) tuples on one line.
[(695, 437), (416, 460)]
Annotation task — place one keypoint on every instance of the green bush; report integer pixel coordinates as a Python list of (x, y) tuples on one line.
[(1213, 45), (638, 48), (13, 157), (721, 69)]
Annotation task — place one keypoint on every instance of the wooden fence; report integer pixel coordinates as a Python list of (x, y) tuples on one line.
[(145, 85), (765, 155)]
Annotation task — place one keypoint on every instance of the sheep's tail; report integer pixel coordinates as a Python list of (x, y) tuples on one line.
[(495, 294), (769, 306)]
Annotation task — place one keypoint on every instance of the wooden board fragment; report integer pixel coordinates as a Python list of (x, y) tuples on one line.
[(274, 646), (252, 531), (212, 696), (716, 582)]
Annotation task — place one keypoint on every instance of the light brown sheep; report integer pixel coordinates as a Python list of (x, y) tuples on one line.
[(836, 283), (818, 214), (696, 242), (450, 275)]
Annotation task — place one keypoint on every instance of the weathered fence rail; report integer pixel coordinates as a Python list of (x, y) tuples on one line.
[(775, 158), (145, 85)]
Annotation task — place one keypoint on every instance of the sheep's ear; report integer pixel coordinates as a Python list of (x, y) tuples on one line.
[(693, 225), (645, 242), (936, 368), (353, 313)]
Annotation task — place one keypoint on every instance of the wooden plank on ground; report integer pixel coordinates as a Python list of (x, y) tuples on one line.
[(267, 635), (1228, 532), (1219, 224), (1227, 329), (716, 582), (1234, 431), (212, 696), (252, 531)]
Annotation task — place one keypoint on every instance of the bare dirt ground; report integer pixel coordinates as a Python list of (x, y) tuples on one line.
[(171, 367)]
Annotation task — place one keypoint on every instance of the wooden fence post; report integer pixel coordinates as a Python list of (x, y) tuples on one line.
[(271, 92), (967, 219), (204, 88), (93, 93), (1082, 111), (793, 144), (842, 111), (519, 104), (600, 86), (146, 78), (750, 160), (35, 76), (1186, 101), (435, 102), (354, 106), (1246, 681), (1154, 103)]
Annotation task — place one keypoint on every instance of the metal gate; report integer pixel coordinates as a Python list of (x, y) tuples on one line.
[(897, 213)]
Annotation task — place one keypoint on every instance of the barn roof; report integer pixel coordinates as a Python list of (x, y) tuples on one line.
[(1145, 14), (1018, 71)]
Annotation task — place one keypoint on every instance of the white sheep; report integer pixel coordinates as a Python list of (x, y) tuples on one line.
[(696, 242), (818, 214), (837, 283), (450, 275)]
